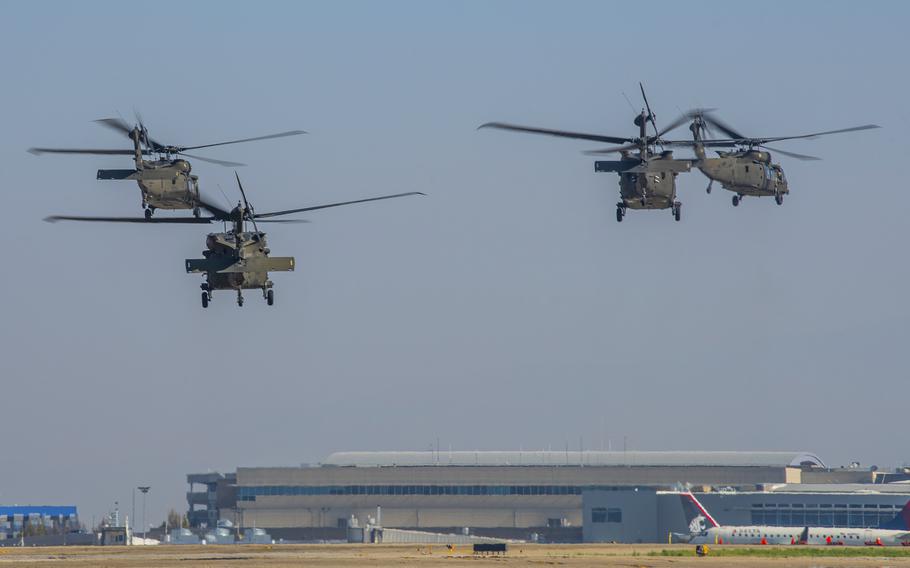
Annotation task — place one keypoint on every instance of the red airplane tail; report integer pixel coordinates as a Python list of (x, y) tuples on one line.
[(697, 516), (900, 522)]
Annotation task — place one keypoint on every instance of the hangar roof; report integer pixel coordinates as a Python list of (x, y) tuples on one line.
[(573, 458), (899, 488)]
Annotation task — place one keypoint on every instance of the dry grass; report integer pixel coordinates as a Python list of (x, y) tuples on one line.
[(324, 556)]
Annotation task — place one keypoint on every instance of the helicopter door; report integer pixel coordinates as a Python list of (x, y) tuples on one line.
[(192, 188)]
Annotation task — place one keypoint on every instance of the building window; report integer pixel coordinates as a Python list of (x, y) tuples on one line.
[(604, 515)]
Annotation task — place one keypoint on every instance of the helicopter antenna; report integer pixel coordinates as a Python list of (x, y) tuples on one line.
[(631, 106), (228, 202), (224, 195)]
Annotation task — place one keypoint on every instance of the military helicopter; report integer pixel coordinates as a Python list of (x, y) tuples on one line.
[(235, 259), (165, 181), (748, 169), (647, 179)]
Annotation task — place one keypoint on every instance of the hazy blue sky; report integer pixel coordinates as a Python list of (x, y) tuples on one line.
[(507, 309)]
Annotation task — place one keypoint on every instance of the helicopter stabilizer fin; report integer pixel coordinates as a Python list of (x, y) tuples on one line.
[(226, 265), (261, 264), (117, 174)]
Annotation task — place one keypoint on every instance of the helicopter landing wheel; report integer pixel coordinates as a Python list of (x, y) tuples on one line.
[(148, 213), (735, 201), (619, 214), (239, 298), (196, 212), (779, 198), (270, 297), (205, 299), (677, 210)]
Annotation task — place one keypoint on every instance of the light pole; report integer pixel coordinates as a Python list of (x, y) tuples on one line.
[(145, 490)]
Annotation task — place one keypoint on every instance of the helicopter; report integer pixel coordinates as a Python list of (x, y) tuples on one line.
[(647, 179), (165, 181), (748, 169), (235, 259)]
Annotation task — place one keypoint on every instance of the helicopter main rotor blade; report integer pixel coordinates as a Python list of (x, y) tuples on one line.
[(684, 118), (793, 154), (650, 114), (180, 220), (242, 193), (116, 124), (723, 143), (120, 125), (613, 150), (719, 124), (735, 143), (813, 135), (217, 212), (559, 133), (247, 208), (95, 151), (283, 221), (315, 207), (180, 149), (213, 161)]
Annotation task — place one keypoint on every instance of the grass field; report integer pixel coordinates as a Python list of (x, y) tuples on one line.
[(437, 555)]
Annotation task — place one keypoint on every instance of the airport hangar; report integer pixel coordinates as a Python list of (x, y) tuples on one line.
[(572, 496)]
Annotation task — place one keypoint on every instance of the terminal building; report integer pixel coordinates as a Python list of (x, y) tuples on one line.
[(36, 520), (218, 493), (592, 496)]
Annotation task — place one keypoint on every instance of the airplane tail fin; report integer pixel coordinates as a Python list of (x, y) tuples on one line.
[(698, 518), (900, 522)]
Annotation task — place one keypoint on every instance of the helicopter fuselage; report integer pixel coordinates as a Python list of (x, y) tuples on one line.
[(746, 173), (165, 184), (646, 184), (237, 261)]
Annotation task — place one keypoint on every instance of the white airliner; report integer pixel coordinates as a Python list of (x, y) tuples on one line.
[(703, 529)]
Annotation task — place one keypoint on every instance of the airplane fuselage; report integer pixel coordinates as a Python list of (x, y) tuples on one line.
[(799, 535)]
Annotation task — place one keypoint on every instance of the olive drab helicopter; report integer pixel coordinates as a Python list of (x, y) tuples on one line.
[(647, 178), (748, 169), (235, 259), (165, 181)]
